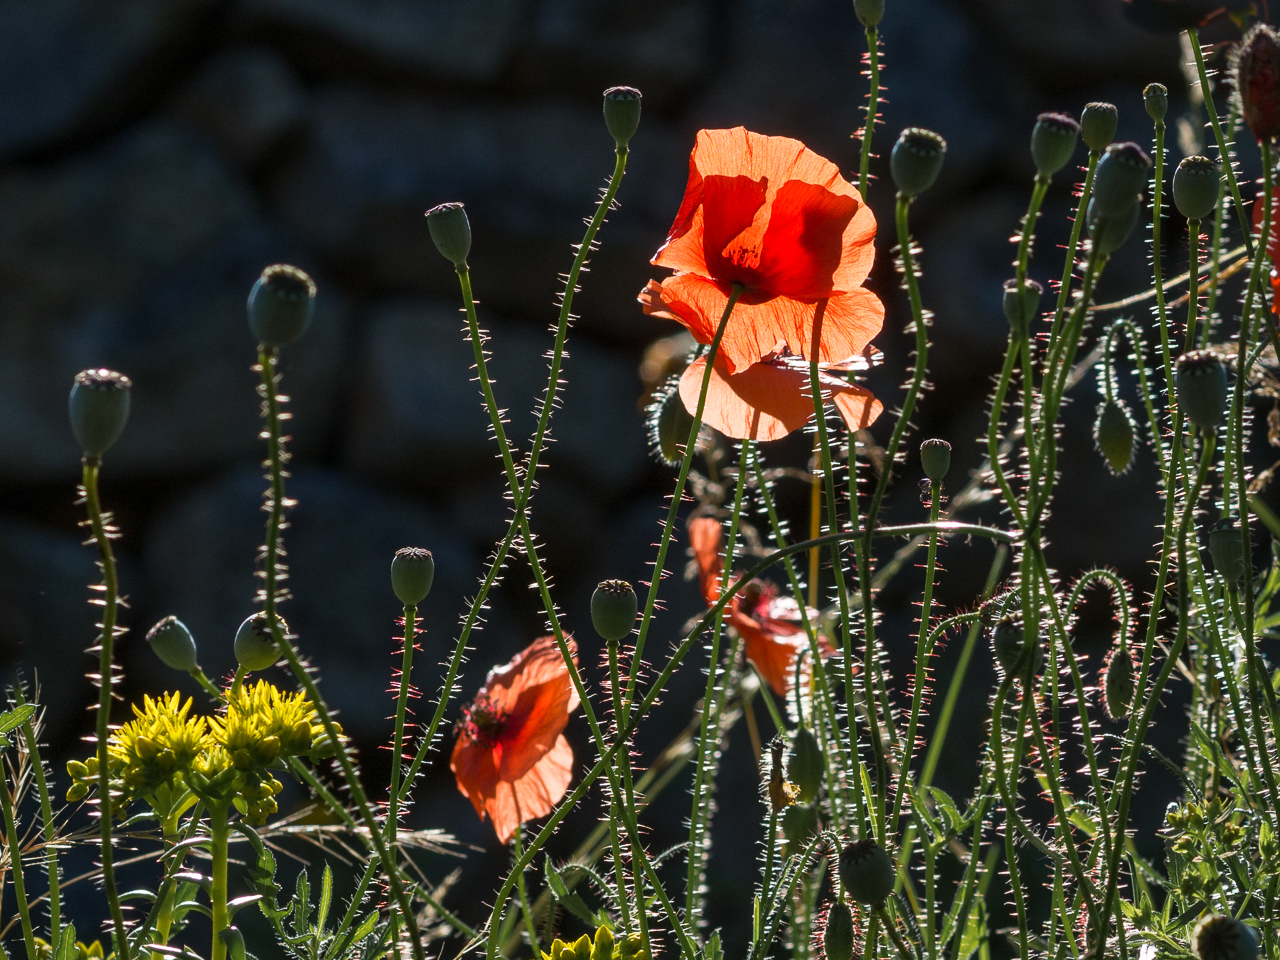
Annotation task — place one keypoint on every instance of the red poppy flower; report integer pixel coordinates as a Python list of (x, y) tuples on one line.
[(511, 759), (770, 214), (770, 626), (1273, 240)]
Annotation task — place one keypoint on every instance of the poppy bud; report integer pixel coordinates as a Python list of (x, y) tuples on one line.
[(1114, 434), (1227, 550), (805, 767), (866, 872), (281, 305), (1008, 643), (412, 571), (1122, 173), (1196, 184), (173, 644), (799, 824), (1219, 937), (1118, 682), (450, 231), (1098, 125), (1053, 140), (1201, 382), (613, 609), (1255, 67), (935, 459), (870, 12), (1109, 233), (1155, 97), (99, 409), (1021, 307), (622, 113), (255, 645), (916, 160), (837, 935), (669, 425)]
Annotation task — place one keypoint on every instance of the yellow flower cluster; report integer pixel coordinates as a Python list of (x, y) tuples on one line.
[(603, 947)]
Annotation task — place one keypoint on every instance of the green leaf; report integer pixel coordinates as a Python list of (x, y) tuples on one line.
[(947, 807), (326, 898), (714, 951), (67, 943), (16, 717)]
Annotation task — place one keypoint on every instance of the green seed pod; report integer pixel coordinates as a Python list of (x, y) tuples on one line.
[(799, 824), (1219, 937), (613, 609), (1118, 685), (866, 872), (255, 646), (805, 768), (99, 408), (1021, 309), (935, 459), (1155, 96), (1098, 125), (622, 113), (173, 644), (1121, 175), (1196, 184), (916, 160), (837, 934), (281, 305), (1109, 233), (669, 425), (1201, 382), (451, 232), (1053, 141), (1227, 550), (870, 12), (1114, 434), (412, 571)]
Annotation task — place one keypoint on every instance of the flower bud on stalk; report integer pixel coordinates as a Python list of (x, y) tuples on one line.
[(1114, 435), (622, 113), (1098, 125), (916, 160), (613, 609), (1008, 644), (1196, 184), (1020, 308), (669, 425), (255, 645), (1227, 550), (1219, 937), (837, 934), (1053, 140), (281, 305), (1201, 382), (935, 459), (1118, 682), (99, 408), (1155, 97), (1121, 175), (450, 231), (869, 12), (866, 872), (172, 642), (1255, 69), (412, 571)]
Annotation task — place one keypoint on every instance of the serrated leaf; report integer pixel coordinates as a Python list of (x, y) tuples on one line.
[(67, 943), (556, 882), (12, 719), (326, 898), (714, 951), (947, 807)]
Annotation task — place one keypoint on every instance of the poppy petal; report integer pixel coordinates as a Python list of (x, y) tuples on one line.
[(533, 795), (475, 771), (803, 245), (771, 653), (704, 541)]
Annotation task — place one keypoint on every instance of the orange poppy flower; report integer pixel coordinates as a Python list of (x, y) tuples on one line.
[(511, 759), (1273, 241), (770, 214), (770, 626)]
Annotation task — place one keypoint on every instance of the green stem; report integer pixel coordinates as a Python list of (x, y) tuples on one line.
[(46, 821), (219, 832), (15, 863), (873, 107), (524, 894), (206, 684), (1073, 247), (1224, 154), (402, 706)]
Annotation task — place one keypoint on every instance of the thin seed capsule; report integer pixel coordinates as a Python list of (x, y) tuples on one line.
[(412, 571), (1053, 141), (1196, 184), (935, 459), (99, 408), (622, 113), (1098, 125), (450, 231), (916, 160), (281, 305), (1155, 97)]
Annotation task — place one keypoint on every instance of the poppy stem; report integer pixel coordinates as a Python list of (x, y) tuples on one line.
[(873, 108), (1073, 248), (402, 705), (524, 893)]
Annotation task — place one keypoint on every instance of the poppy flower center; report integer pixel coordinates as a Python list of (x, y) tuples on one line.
[(483, 721)]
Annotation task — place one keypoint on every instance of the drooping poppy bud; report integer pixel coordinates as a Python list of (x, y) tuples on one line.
[(281, 305), (172, 642), (1155, 97), (1121, 175), (1201, 382), (450, 231), (1053, 140), (669, 425), (1109, 233), (99, 409), (255, 645), (622, 113), (1118, 682), (837, 934), (935, 459), (1255, 68), (1219, 937), (1008, 642), (1114, 435), (1227, 550), (866, 872), (1021, 307), (1098, 125), (1196, 183), (916, 160), (613, 609), (805, 767), (869, 12), (412, 571)]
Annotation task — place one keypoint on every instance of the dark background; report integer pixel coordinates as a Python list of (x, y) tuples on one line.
[(156, 154)]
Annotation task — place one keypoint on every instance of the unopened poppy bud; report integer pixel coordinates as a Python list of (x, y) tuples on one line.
[(1196, 184), (935, 459), (1114, 433), (866, 872), (916, 160), (1053, 140), (837, 935), (1008, 642), (1219, 937), (1098, 125), (805, 767), (1255, 67), (799, 824), (613, 609), (1122, 173), (869, 12), (1227, 550), (622, 113), (1109, 233), (281, 305), (1021, 305), (450, 231), (99, 409), (412, 571), (669, 425), (1201, 382), (1155, 96), (173, 644), (255, 645), (1118, 682)]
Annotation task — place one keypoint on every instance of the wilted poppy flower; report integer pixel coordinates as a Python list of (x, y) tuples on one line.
[(769, 214), (770, 626), (511, 759)]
